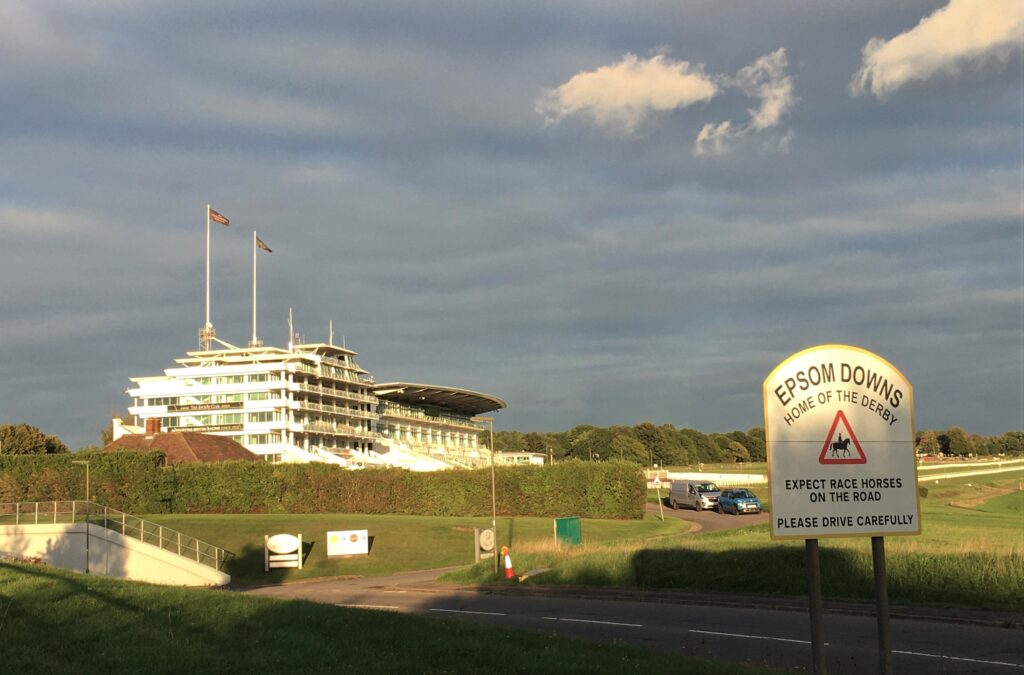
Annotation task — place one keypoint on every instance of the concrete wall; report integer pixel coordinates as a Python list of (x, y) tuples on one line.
[(110, 554)]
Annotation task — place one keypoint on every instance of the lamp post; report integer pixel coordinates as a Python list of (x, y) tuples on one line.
[(87, 503)]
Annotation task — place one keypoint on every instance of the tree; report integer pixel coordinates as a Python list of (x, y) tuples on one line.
[(592, 444), (22, 439), (507, 441), (536, 443), (737, 452), (1011, 443), (756, 444), (928, 443), (626, 447), (955, 442)]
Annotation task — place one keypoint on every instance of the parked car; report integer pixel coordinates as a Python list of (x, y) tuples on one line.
[(737, 501), (697, 495)]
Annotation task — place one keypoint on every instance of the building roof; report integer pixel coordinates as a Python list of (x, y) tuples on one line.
[(462, 401), (184, 446)]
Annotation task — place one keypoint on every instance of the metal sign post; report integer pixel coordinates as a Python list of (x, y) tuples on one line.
[(839, 430), (813, 565), (661, 504)]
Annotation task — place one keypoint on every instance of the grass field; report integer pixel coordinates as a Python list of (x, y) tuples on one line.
[(398, 543), (970, 553), (59, 622)]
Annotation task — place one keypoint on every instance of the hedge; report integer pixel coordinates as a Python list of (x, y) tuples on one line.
[(138, 483)]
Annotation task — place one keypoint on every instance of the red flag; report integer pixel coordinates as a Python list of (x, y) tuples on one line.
[(260, 244), (218, 218)]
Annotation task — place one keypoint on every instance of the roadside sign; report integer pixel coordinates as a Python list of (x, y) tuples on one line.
[(657, 482), (348, 542), (839, 426)]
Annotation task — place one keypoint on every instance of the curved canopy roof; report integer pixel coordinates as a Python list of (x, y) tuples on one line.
[(462, 401)]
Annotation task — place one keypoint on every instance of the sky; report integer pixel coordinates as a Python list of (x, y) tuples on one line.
[(601, 212)]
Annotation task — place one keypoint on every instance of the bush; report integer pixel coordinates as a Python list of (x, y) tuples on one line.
[(138, 483)]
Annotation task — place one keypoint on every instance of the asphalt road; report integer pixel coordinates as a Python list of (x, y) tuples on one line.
[(710, 521), (722, 627)]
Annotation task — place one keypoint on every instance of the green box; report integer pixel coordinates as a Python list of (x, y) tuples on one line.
[(568, 531)]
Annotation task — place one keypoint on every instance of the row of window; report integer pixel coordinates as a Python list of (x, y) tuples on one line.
[(235, 379), (216, 420), (208, 399)]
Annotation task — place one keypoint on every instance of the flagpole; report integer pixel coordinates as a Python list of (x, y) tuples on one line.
[(253, 344), (207, 326)]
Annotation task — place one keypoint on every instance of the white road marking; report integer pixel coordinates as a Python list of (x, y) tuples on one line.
[(464, 611), (751, 637), (960, 658), (341, 604), (895, 651), (604, 623)]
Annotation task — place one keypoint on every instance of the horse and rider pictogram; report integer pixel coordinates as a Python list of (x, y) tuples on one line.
[(838, 451)]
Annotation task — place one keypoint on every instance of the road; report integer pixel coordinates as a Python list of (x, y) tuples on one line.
[(710, 521), (722, 627)]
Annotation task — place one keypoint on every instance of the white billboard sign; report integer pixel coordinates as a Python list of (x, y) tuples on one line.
[(348, 542), (839, 426)]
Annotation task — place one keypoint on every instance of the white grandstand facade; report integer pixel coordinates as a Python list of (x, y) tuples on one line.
[(312, 402)]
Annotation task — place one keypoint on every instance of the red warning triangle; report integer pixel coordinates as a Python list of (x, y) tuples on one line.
[(837, 450)]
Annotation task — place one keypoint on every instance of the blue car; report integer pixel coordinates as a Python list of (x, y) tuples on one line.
[(737, 501)]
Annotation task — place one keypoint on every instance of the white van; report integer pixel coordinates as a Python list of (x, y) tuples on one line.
[(694, 494)]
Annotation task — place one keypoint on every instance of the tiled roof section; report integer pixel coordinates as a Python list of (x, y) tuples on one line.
[(185, 446)]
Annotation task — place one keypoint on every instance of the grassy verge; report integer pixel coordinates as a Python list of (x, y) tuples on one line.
[(969, 554), (58, 622), (398, 543)]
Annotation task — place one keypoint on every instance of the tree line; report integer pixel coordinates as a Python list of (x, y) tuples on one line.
[(665, 445), (644, 444)]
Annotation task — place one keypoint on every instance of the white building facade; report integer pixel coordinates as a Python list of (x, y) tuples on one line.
[(313, 402)]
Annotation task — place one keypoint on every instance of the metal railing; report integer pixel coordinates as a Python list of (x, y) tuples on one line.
[(125, 524)]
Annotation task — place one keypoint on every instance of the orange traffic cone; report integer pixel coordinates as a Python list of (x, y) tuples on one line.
[(509, 572)]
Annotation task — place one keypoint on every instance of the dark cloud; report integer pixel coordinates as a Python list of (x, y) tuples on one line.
[(391, 156)]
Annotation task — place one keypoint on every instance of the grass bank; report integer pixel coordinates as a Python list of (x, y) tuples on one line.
[(398, 543), (58, 622), (970, 554)]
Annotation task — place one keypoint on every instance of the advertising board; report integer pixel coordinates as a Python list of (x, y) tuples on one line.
[(348, 542)]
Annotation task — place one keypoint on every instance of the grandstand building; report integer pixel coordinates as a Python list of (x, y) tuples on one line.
[(312, 402)]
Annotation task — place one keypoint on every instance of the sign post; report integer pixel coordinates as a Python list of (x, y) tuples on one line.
[(661, 504), (839, 426)]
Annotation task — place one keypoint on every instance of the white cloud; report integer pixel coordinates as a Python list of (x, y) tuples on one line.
[(961, 33), (764, 79), (620, 96)]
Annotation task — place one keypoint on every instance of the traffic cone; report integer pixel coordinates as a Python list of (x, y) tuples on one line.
[(509, 572)]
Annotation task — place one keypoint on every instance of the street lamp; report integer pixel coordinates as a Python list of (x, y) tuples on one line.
[(86, 462), (87, 503)]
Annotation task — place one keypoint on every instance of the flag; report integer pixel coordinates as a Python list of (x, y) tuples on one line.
[(259, 243), (216, 217)]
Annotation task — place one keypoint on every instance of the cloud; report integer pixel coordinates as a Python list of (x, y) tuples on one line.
[(619, 97), (961, 33), (764, 79)]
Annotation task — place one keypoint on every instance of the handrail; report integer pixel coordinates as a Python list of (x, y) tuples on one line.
[(125, 524)]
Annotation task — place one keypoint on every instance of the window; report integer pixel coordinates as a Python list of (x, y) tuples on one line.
[(259, 439), (259, 377), (261, 417), (163, 400), (259, 395), (232, 418)]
